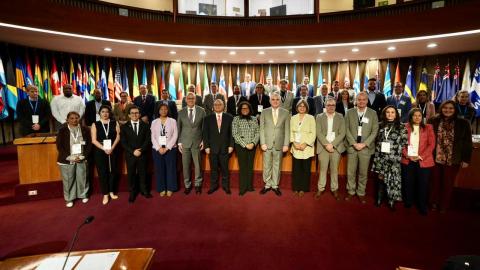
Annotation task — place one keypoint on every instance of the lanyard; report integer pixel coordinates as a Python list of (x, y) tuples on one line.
[(36, 105), (464, 112), (75, 136), (106, 130), (387, 133), (162, 130), (360, 118), (423, 109)]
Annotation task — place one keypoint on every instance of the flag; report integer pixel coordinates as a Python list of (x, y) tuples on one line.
[(38, 81), (154, 82), (456, 79), (80, 87), (278, 76), (356, 80), (86, 88), (46, 80), (11, 92), (329, 77), (286, 76), (189, 80), (311, 79), (270, 72), (214, 75), (475, 90), (54, 79), (238, 75), (387, 82), (445, 91), (136, 89), (320, 76), (423, 80), (377, 75), (346, 79), (97, 72), (437, 82), (198, 86), (171, 83), (262, 77), (125, 79), (91, 78), (73, 77), (162, 75), (20, 79), (366, 76), (246, 72), (27, 72), (410, 85), (144, 75), (3, 84), (337, 75), (102, 83), (294, 80), (221, 84), (466, 82), (230, 82), (397, 73), (206, 89), (253, 74), (117, 81), (63, 78), (181, 84), (110, 83)]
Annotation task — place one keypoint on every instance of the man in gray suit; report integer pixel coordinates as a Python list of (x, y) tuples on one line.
[(211, 97), (286, 96), (320, 100), (190, 144), (274, 141), (198, 99), (330, 145), (362, 128)]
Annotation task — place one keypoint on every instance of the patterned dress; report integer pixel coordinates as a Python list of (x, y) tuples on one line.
[(388, 164)]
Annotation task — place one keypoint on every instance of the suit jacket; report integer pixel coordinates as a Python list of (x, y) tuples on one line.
[(369, 130), (319, 104), (403, 106), (190, 134), (322, 129), (209, 100), (310, 90), (270, 89), (255, 102), (250, 91), (307, 135), (310, 102), (232, 106), (198, 101), (146, 108), (332, 94), (172, 109), (341, 109), (25, 112), (171, 132), (63, 143), (121, 115), (287, 102), (91, 112), (426, 146), (131, 141), (462, 140), (378, 104), (218, 141), (275, 136)]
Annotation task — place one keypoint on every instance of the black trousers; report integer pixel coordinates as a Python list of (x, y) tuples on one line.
[(415, 185), (107, 169), (219, 162), (301, 174), (137, 173), (245, 163)]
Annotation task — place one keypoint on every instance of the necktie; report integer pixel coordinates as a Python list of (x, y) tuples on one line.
[(190, 115), (143, 99), (260, 99), (219, 122), (398, 98), (275, 117), (236, 99), (135, 128)]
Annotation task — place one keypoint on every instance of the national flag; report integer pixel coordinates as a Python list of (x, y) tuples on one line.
[(238, 75), (125, 79), (171, 83), (54, 79), (456, 79), (311, 78), (253, 74), (294, 80), (246, 72), (86, 88), (466, 81), (337, 74), (73, 77), (262, 77), (423, 80), (144, 75), (346, 79), (270, 72), (198, 85), (214, 75), (221, 83), (356, 80), (474, 90), (230, 82), (20, 79), (189, 79), (11, 91), (154, 82), (366, 76), (410, 85), (445, 92), (80, 86), (286, 76), (278, 76), (206, 89), (3, 84), (437, 82), (97, 72), (91, 78), (117, 81), (37, 79), (397, 73), (102, 83), (320, 76), (46, 80), (181, 84), (136, 88), (387, 82), (329, 77), (162, 75), (28, 72), (377, 75), (111, 84), (63, 78)]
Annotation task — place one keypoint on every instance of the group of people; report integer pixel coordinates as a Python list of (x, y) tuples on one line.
[(408, 141)]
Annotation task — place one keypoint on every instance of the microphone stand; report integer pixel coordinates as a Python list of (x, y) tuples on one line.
[(87, 221)]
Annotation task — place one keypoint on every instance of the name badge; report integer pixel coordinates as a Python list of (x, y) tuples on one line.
[(402, 102), (35, 119), (331, 136), (107, 144), (385, 147), (76, 149), (365, 120), (97, 117), (424, 121), (359, 131), (162, 140), (324, 110), (399, 112), (412, 152), (260, 108), (298, 137)]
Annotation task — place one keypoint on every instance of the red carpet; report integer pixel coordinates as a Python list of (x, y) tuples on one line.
[(250, 232)]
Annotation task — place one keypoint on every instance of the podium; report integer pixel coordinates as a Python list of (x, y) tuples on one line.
[(37, 159), (132, 258)]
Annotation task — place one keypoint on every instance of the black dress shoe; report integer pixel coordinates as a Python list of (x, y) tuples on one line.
[(264, 190), (198, 190), (391, 205), (210, 191), (187, 190), (131, 198), (277, 191), (227, 191), (147, 195)]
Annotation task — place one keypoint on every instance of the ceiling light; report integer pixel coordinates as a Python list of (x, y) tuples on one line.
[(344, 59), (233, 52), (355, 50), (319, 60), (141, 51), (200, 61), (224, 61), (173, 52), (248, 61), (107, 49), (295, 61), (323, 51), (291, 52), (392, 48), (270, 61), (178, 61), (373, 58), (261, 52), (432, 45), (203, 52)]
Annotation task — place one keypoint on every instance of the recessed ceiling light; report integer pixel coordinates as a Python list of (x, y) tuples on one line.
[(355, 50), (248, 61), (233, 52), (373, 58), (323, 51), (270, 61), (200, 61), (173, 52), (344, 59), (291, 52), (224, 61), (391, 48), (107, 49), (319, 60), (141, 51), (432, 45), (178, 61), (203, 52), (295, 61), (261, 52)]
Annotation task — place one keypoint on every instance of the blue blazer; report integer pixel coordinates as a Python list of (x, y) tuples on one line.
[(403, 106), (310, 90)]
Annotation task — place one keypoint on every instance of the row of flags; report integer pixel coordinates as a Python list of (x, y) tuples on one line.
[(86, 76)]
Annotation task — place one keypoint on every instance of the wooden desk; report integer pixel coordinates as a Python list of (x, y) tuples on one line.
[(37, 159), (132, 258)]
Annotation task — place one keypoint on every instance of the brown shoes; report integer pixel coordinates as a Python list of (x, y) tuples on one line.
[(335, 195), (349, 197), (318, 194), (362, 199)]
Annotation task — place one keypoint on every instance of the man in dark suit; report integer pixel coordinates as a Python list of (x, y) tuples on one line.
[(320, 100), (172, 106), (376, 100), (259, 100), (234, 100), (400, 101), (198, 99), (304, 95), (218, 142), (91, 108), (211, 97), (335, 93), (306, 82), (33, 113), (135, 139), (145, 102)]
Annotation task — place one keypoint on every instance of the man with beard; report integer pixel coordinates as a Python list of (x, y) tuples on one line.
[(61, 105)]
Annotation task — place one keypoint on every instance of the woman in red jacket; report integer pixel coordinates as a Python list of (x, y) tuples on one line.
[(417, 160)]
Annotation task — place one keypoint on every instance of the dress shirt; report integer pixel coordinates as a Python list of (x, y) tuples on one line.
[(62, 105)]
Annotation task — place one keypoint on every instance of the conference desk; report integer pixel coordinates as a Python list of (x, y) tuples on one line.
[(131, 258)]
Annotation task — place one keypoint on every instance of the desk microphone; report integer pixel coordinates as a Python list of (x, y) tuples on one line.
[(88, 220)]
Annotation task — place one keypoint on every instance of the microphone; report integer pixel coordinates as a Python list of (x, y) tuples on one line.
[(87, 220)]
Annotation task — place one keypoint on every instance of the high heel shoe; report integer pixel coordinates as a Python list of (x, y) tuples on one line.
[(391, 205)]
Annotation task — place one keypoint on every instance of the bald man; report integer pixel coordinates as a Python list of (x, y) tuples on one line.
[(91, 108)]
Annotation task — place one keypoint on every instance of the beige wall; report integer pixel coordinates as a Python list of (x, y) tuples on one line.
[(163, 5), (327, 6)]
